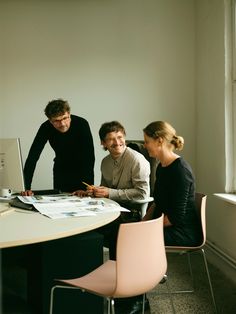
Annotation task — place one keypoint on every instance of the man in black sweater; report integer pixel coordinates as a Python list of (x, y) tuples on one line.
[(71, 139)]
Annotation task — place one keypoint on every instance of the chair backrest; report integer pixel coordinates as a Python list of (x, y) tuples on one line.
[(138, 145), (141, 257), (200, 200)]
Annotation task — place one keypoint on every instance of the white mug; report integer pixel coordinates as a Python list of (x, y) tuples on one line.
[(5, 192)]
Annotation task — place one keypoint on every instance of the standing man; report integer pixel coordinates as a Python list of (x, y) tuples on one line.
[(71, 139)]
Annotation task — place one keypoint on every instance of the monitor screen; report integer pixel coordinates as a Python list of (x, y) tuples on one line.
[(11, 169)]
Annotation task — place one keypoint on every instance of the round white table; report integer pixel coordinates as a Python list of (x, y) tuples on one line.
[(25, 227), (22, 227)]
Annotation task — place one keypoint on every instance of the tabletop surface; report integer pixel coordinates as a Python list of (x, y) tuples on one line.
[(21, 227)]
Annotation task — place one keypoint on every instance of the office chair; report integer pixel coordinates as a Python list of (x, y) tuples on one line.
[(138, 145), (141, 264), (201, 209)]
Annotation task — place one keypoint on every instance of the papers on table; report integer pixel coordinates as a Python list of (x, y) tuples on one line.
[(62, 206)]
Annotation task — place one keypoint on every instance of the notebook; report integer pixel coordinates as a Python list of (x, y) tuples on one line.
[(15, 202)]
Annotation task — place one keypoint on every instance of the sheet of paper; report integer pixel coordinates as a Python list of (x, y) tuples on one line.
[(62, 210), (52, 198), (63, 206)]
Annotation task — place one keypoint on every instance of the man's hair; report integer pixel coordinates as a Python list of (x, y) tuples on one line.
[(107, 127), (56, 107)]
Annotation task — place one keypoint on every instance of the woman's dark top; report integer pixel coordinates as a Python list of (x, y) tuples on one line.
[(74, 155), (174, 195)]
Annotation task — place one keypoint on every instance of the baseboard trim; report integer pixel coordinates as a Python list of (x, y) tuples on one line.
[(221, 260)]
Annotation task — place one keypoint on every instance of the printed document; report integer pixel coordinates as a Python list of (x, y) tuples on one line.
[(62, 206)]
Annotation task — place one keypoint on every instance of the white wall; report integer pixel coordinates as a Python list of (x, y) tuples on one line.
[(127, 60)]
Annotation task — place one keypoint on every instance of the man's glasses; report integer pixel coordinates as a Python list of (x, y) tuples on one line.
[(59, 121)]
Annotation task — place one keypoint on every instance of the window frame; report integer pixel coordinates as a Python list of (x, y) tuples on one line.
[(230, 96)]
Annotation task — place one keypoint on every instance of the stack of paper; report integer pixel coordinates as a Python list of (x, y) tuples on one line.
[(61, 206)]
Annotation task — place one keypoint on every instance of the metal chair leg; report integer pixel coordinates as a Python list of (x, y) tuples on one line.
[(191, 272), (191, 275), (51, 299), (192, 278), (112, 306), (143, 304), (165, 280), (108, 306), (59, 287), (209, 280)]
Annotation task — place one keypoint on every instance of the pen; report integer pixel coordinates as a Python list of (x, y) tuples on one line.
[(88, 185)]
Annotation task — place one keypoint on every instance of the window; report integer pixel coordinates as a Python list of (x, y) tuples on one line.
[(230, 95)]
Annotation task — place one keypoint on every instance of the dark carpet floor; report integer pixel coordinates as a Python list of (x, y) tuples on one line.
[(178, 278)]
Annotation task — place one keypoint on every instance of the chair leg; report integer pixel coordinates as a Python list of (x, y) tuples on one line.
[(52, 294), (112, 306), (143, 305), (51, 299), (191, 275), (209, 280), (191, 271), (108, 306), (192, 278), (165, 280)]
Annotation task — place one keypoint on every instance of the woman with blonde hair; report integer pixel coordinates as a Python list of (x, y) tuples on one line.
[(174, 195), (174, 192)]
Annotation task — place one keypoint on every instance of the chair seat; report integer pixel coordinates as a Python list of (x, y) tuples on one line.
[(101, 281)]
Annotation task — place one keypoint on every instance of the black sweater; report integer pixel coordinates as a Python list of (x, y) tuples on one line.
[(74, 155), (174, 195)]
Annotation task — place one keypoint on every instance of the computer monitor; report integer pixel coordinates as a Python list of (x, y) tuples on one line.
[(11, 169)]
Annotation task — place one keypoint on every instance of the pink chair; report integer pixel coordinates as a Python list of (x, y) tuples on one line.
[(200, 200), (141, 264)]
